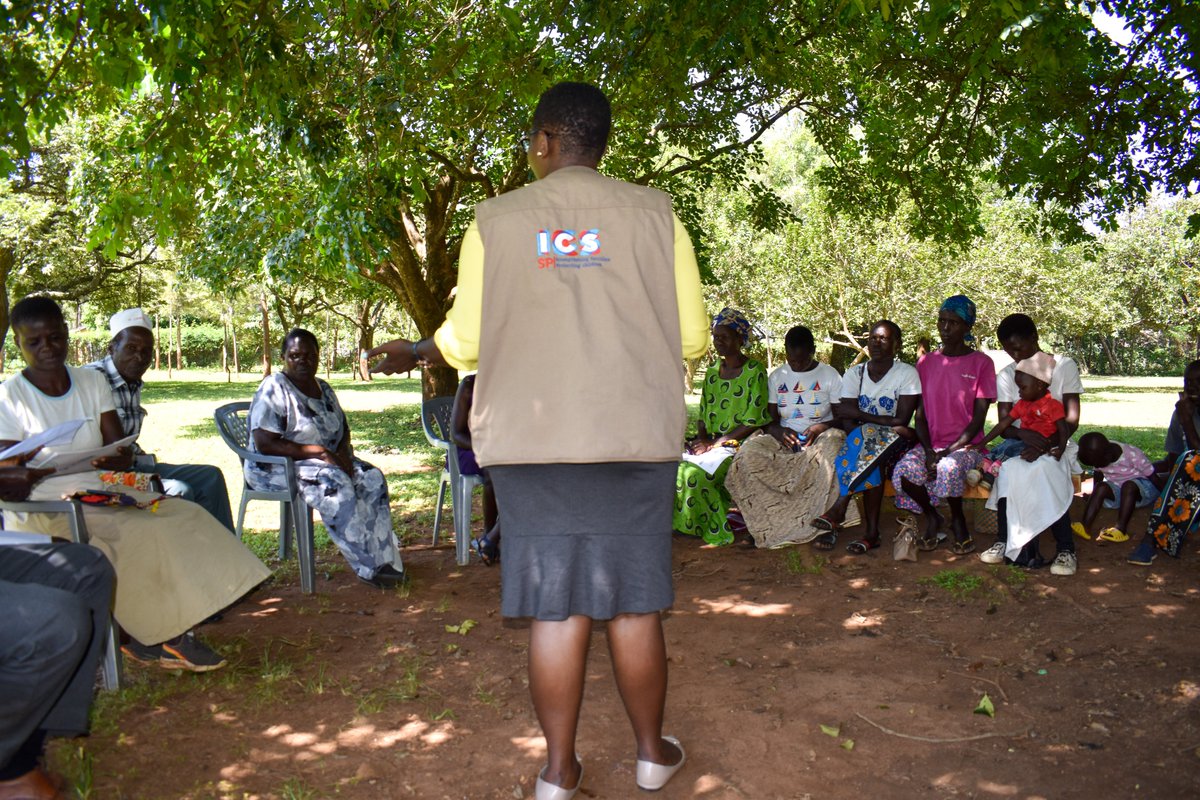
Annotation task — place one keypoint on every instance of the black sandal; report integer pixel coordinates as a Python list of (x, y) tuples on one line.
[(488, 550), (826, 541), (859, 547)]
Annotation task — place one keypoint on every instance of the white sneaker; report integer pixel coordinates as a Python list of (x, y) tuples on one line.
[(994, 554), (1064, 564), (973, 477)]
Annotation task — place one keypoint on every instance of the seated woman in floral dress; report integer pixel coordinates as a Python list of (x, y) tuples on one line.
[(733, 405), (1177, 512), (296, 414)]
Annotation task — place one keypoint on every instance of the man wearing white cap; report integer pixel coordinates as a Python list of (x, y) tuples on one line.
[(129, 355)]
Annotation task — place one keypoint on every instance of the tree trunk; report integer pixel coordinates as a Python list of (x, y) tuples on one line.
[(439, 382), (366, 340), (6, 264), (265, 308), (237, 365), (225, 347), (330, 344), (179, 341), (1114, 366), (690, 365)]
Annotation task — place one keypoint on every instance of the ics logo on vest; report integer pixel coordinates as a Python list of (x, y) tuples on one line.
[(566, 244)]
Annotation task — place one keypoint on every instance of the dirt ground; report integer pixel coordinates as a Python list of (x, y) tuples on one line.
[(792, 676)]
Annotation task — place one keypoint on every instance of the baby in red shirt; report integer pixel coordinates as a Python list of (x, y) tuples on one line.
[(1037, 410)]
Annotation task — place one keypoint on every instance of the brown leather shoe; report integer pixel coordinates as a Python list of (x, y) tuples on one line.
[(33, 785)]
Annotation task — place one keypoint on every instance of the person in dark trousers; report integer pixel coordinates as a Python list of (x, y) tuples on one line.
[(55, 600)]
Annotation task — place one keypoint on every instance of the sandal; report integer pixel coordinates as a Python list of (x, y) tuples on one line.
[(826, 541), (1080, 531), (824, 523), (927, 545), (1113, 534), (964, 547), (487, 549), (859, 547)]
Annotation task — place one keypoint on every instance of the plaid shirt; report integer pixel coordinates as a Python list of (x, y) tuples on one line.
[(127, 397)]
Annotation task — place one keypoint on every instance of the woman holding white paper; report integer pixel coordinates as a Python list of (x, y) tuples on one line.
[(733, 405), (177, 565)]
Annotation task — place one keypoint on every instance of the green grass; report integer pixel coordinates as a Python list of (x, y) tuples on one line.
[(960, 585), (793, 562)]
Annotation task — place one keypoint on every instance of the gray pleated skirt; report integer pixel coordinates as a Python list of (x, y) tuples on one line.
[(585, 539)]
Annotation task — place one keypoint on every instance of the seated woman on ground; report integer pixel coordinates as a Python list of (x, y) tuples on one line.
[(176, 565), (488, 545), (1177, 512), (1033, 493), (878, 399), (733, 405), (782, 480), (958, 384), (296, 414), (1123, 479)]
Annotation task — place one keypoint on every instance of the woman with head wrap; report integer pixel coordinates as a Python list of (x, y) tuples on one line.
[(957, 386), (733, 405)]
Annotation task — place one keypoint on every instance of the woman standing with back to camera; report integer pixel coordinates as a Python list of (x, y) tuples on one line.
[(578, 296)]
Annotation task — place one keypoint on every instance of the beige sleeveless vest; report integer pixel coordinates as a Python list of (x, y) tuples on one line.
[(579, 352)]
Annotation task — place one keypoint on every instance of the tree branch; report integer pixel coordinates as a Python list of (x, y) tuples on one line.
[(695, 163)]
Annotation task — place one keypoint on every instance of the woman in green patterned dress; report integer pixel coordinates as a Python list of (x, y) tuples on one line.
[(733, 404)]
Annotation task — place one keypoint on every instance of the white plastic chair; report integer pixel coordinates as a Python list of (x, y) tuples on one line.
[(435, 418), (294, 513)]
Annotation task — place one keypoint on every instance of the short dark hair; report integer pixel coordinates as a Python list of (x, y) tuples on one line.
[(579, 115), (891, 326), (1191, 366), (1016, 325), (35, 308), (799, 338), (298, 333), (1089, 447)]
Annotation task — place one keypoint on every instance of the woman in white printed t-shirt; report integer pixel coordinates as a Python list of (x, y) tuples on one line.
[(783, 480)]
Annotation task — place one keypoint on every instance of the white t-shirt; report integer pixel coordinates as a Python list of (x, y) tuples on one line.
[(804, 398), (1064, 380), (25, 410), (881, 398)]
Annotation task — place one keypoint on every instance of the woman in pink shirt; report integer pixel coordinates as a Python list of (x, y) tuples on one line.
[(958, 384)]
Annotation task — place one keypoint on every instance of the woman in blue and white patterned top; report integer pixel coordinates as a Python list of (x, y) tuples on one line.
[(295, 414), (879, 397)]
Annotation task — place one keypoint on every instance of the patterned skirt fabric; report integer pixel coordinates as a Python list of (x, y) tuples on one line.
[(949, 480), (355, 509), (1177, 511), (779, 491), (589, 540), (866, 458), (702, 503)]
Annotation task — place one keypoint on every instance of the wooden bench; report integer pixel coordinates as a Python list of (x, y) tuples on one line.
[(975, 492)]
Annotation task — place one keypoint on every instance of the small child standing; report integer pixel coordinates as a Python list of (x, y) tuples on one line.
[(1036, 410), (1123, 479)]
